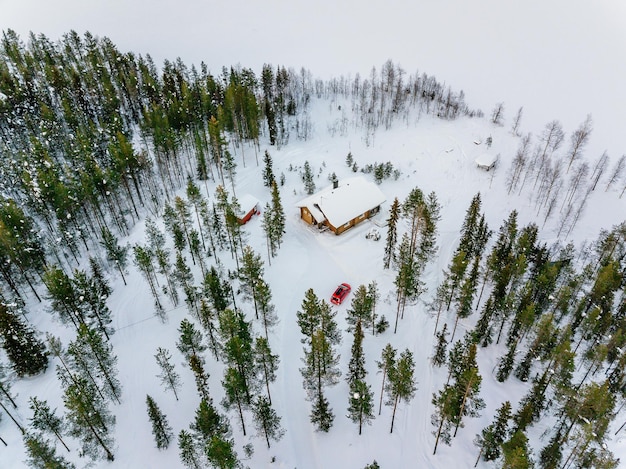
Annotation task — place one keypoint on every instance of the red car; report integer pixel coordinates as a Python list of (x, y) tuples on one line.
[(340, 294)]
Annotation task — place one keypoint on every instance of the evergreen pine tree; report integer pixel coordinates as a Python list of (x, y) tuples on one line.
[(392, 234), (221, 453), (266, 420), (356, 366), (168, 376), (361, 403), (516, 452), (307, 178), (116, 254), (208, 422), (439, 356), (160, 427), (321, 414), (266, 364), (188, 451), (491, 437), (190, 339), (42, 454), (278, 216), (5, 387), (89, 352), (201, 376), (27, 354), (401, 382), (45, 420), (89, 419), (386, 363), (268, 172)]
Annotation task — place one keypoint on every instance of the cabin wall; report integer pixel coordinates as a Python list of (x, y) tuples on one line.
[(306, 216)]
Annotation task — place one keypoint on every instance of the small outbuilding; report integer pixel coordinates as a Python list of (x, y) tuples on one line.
[(486, 161), (249, 206), (342, 205)]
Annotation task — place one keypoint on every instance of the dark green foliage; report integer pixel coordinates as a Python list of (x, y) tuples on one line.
[(356, 366), (45, 420), (190, 339), (321, 414), (491, 437), (201, 376), (401, 382), (117, 255), (516, 452), (89, 419), (266, 364), (385, 365), (440, 355), (266, 421), (221, 453), (42, 454), (160, 427), (21, 251), (217, 290), (27, 354), (373, 465), (361, 403), (92, 356), (382, 325), (208, 422), (307, 178), (268, 172), (188, 451), (392, 234)]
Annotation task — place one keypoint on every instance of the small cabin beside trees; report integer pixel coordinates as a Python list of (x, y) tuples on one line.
[(342, 205), (250, 206)]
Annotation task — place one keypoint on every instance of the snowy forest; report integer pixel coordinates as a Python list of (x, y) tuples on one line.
[(120, 182)]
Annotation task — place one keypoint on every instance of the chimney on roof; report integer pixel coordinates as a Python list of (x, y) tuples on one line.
[(335, 183)]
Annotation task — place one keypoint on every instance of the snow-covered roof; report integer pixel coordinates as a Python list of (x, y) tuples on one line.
[(247, 202), (353, 197), (486, 160)]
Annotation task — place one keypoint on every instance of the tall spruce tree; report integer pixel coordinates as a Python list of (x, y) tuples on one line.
[(266, 420), (161, 429), (492, 436), (170, 379), (42, 454), (117, 255), (307, 178), (392, 234), (401, 383), (45, 420), (89, 419), (190, 339), (361, 403), (90, 352), (188, 451), (266, 364), (27, 354)]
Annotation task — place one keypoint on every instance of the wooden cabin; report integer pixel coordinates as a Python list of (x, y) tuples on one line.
[(342, 205), (486, 161), (249, 206)]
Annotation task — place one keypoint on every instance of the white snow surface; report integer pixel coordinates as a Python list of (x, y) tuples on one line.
[(352, 197), (431, 154)]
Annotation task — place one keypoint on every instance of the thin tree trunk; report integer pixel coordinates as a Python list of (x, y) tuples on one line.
[(12, 418), (393, 416), (438, 435), (382, 389), (479, 455), (110, 456), (4, 391)]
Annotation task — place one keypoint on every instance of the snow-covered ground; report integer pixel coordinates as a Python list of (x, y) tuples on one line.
[(431, 154)]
